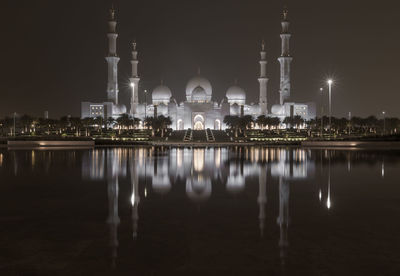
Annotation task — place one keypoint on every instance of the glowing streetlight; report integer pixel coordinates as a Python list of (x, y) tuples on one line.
[(321, 90), (145, 101), (330, 82), (384, 122)]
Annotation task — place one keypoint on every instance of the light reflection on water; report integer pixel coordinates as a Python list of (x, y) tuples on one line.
[(201, 172), (200, 167)]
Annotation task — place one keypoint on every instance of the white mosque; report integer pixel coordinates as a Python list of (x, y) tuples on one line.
[(199, 110)]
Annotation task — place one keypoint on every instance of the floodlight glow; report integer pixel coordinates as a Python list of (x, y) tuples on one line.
[(330, 81)]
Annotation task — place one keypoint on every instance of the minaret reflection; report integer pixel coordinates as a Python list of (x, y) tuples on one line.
[(288, 165), (113, 219), (135, 198), (283, 218), (262, 198)]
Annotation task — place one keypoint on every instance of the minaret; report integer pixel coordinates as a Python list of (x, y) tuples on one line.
[(285, 59), (263, 80), (112, 59), (134, 81)]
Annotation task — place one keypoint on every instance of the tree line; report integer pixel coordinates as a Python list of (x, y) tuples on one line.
[(29, 125), (339, 126)]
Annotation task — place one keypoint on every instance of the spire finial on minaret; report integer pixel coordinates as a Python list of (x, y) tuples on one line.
[(236, 81), (134, 44), (198, 70), (112, 12), (285, 13), (263, 45)]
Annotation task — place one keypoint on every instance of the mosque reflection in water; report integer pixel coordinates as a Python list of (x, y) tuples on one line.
[(198, 168)]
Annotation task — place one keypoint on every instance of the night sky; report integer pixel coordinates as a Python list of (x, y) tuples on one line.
[(53, 51)]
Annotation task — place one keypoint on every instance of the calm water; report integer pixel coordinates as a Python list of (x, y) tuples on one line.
[(238, 211)]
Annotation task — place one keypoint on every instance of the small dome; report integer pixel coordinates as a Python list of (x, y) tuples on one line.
[(235, 93), (199, 94), (161, 94), (277, 109)]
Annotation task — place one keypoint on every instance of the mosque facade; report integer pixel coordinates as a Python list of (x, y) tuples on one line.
[(199, 110)]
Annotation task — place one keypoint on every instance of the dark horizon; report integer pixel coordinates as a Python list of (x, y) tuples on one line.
[(55, 55)]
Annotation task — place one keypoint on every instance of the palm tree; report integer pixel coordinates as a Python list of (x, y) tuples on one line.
[(99, 122), (135, 122), (149, 122), (63, 123), (7, 124), (261, 121), (295, 121), (245, 122), (87, 122), (275, 122), (26, 122), (164, 122), (110, 122), (232, 122), (392, 124), (288, 121), (76, 124)]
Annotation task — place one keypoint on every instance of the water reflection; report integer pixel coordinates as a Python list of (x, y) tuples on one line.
[(255, 192), (199, 169)]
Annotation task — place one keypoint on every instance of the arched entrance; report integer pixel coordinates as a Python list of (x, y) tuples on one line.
[(198, 126), (217, 124), (179, 125), (198, 122)]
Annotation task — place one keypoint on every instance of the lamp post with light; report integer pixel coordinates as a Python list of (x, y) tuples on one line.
[(384, 122), (145, 105), (330, 82), (321, 90)]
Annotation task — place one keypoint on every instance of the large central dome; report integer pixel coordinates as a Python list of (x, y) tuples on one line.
[(196, 82), (199, 94)]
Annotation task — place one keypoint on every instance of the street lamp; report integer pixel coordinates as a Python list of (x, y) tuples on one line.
[(330, 82), (384, 122), (349, 131), (321, 90), (15, 114)]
